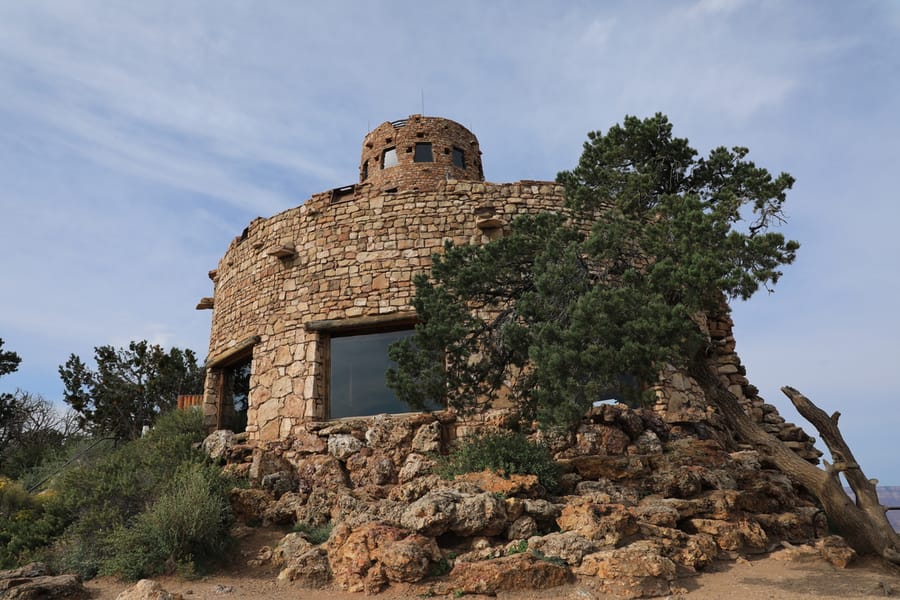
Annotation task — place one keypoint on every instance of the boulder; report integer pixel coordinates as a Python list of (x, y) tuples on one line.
[(568, 546), (415, 465), (319, 471), (510, 573), (343, 445), (370, 556), (286, 509), (42, 587), (217, 444), (249, 505), (310, 568), (433, 513), (147, 589), (607, 524), (635, 571), (522, 528), (427, 439), (744, 535), (480, 514)]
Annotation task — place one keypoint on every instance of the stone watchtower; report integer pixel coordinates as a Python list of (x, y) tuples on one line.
[(305, 302)]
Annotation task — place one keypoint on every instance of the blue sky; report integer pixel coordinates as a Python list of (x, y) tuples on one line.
[(138, 138)]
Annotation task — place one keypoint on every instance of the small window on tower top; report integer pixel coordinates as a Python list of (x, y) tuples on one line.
[(423, 152), (459, 158), (389, 158)]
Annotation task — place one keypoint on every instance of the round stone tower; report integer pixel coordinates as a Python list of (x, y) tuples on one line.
[(419, 153)]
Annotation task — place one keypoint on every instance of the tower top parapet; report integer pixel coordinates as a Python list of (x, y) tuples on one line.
[(418, 153)]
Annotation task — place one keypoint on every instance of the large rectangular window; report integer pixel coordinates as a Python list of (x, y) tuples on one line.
[(357, 385)]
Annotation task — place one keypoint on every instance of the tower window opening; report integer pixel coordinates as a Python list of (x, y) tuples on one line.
[(389, 158), (423, 152), (458, 157), (365, 171)]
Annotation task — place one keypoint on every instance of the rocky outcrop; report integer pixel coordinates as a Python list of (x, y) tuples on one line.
[(33, 582), (641, 502)]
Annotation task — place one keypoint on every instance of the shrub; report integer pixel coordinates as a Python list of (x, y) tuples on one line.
[(509, 453), (185, 528), (314, 534)]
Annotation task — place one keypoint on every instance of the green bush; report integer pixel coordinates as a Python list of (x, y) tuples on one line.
[(314, 534), (184, 529), (507, 452)]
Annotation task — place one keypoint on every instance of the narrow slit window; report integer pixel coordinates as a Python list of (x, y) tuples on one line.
[(365, 171), (389, 158), (423, 152)]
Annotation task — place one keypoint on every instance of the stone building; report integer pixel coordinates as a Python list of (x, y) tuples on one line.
[(305, 302)]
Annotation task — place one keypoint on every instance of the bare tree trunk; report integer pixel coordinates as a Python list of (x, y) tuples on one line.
[(863, 524)]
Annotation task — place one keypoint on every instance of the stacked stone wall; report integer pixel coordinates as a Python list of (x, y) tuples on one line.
[(348, 256)]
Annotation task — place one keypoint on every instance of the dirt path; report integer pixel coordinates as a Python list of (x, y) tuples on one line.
[(760, 579), (763, 579)]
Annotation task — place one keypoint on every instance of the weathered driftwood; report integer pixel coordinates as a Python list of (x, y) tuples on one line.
[(862, 523)]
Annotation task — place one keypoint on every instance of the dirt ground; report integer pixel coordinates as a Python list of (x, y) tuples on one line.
[(756, 579)]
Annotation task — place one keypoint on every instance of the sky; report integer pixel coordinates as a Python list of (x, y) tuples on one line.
[(138, 138)]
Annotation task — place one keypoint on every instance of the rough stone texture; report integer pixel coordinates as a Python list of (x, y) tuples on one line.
[(367, 558), (607, 524), (218, 443), (510, 573), (568, 546), (147, 589), (31, 586), (342, 446), (309, 569), (635, 571)]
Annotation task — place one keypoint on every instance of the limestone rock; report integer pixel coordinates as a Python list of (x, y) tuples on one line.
[(415, 465), (522, 528), (744, 535), (433, 513), (320, 470), (512, 485), (370, 556), (835, 550), (343, 445), (42, 587), (635, 571), (481, 514), (427, 438), (309, 569), (286, 509), (217, 444), (250, 504), (517, 572), (607, 524), (568, 546), (147, 589)]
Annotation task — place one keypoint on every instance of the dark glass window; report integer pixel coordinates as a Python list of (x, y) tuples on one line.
[(389, 158), (459, 158), (358, 365), (423, 152)]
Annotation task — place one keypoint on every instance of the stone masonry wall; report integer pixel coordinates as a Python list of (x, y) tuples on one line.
[(353, 256)]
